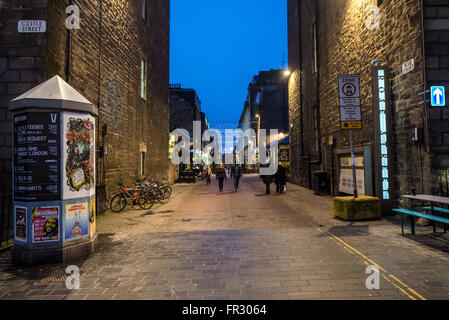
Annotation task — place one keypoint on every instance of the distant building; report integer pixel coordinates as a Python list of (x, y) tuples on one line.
[(266, 105), (185, 108)]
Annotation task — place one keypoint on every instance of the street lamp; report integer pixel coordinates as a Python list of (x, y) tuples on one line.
[(287, 72)]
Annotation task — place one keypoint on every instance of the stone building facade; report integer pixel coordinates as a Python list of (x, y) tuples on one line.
[(118, 59), (331, 38)]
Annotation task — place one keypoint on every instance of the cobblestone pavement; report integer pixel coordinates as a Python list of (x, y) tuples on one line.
[(246, 245)]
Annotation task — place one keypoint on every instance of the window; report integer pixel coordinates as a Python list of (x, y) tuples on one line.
[(315, 49), (143, 79), (144, 10), (142, 163)]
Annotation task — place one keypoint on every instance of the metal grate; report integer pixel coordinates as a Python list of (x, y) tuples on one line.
[(59, 276)]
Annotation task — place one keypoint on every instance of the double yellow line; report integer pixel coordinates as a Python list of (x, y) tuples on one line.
[(405, 289)]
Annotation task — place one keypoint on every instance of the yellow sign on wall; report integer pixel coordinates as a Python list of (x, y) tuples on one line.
[(349, 125)]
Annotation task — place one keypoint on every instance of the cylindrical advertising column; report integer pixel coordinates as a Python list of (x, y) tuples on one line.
[(53, 174)]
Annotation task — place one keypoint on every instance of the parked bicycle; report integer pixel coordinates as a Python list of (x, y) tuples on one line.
[(133, 196)]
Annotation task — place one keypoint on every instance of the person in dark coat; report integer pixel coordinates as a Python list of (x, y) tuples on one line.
[(280, 179), (237, 171), (221, 176), (267, 180)]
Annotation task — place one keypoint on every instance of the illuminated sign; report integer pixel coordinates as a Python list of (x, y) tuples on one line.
[(383, 129), (438, 96)]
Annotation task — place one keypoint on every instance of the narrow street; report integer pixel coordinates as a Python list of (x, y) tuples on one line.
[(247, 245)]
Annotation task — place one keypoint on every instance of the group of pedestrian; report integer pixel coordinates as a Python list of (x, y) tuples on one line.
[(280, 179), (235, 172)]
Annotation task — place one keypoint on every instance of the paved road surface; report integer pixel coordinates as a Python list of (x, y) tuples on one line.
[(246, 245)]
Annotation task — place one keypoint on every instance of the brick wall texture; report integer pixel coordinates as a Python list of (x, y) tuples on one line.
[(106, 55), (346, 46)]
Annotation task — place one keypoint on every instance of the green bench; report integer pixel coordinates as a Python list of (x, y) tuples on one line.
[(413, 214), (439, 210)]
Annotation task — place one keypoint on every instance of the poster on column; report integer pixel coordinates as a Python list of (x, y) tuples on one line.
[(21, 223), (92, 217), (45, 223), (79, 156), (76, 220)]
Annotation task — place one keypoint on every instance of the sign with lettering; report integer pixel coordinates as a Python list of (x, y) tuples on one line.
[(349, 96), (36, 156), (32, 26), (409, 66), (45, 221)]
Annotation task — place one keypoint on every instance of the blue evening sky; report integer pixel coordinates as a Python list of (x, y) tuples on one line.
[(218, 46)]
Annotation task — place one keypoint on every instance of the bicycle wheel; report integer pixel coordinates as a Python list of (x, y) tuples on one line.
[(168, 191), (118, 203), (145, 202)]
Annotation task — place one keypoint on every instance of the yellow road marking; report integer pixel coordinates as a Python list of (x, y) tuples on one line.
[(398, 283)]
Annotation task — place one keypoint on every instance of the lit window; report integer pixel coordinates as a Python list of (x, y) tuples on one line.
[(144, 10), (315, 49), (143, 79)]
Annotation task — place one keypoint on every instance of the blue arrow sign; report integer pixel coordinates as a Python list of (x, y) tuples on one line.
[(438, 96)]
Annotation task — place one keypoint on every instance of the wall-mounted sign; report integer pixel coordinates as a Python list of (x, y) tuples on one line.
[(409, 66), (31, 26), (284, 155), (349, 96), (36, 156), (346, 181), (438, 96)]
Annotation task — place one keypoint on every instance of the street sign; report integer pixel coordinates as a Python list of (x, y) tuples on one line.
[(32, 26), (438, 96), (349, 96)]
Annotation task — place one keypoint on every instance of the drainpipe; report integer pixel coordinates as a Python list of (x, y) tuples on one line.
[(68, 61), (426, 127)]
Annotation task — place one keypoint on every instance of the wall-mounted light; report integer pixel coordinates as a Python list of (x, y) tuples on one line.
[(287, 72)]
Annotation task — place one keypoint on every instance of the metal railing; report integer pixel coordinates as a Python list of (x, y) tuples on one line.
[(6, 220)]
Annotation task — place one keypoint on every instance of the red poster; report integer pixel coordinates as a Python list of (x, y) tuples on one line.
[(45, 224)]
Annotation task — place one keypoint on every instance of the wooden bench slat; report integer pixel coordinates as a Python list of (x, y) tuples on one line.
[(422, 215), (437, 209)]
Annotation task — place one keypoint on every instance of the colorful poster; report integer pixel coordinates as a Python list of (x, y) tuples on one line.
[(76, 220), (21, 223), (79, 156), (45, 224), (92, 217)]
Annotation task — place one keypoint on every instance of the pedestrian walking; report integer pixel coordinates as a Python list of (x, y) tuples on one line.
[(280, 179), (221, 176), (208, 175), (237, 171), (267, 180)]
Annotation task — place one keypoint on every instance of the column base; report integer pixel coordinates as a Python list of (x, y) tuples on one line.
[(32, 257)]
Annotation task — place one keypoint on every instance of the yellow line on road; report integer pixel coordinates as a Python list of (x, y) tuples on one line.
[(398, 283)]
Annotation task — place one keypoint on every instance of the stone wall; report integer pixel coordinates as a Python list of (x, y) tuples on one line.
[(347, 46), (105, 60), (21, 68)]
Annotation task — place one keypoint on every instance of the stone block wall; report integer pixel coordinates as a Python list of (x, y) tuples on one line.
[(105, 66), (345, 45)]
